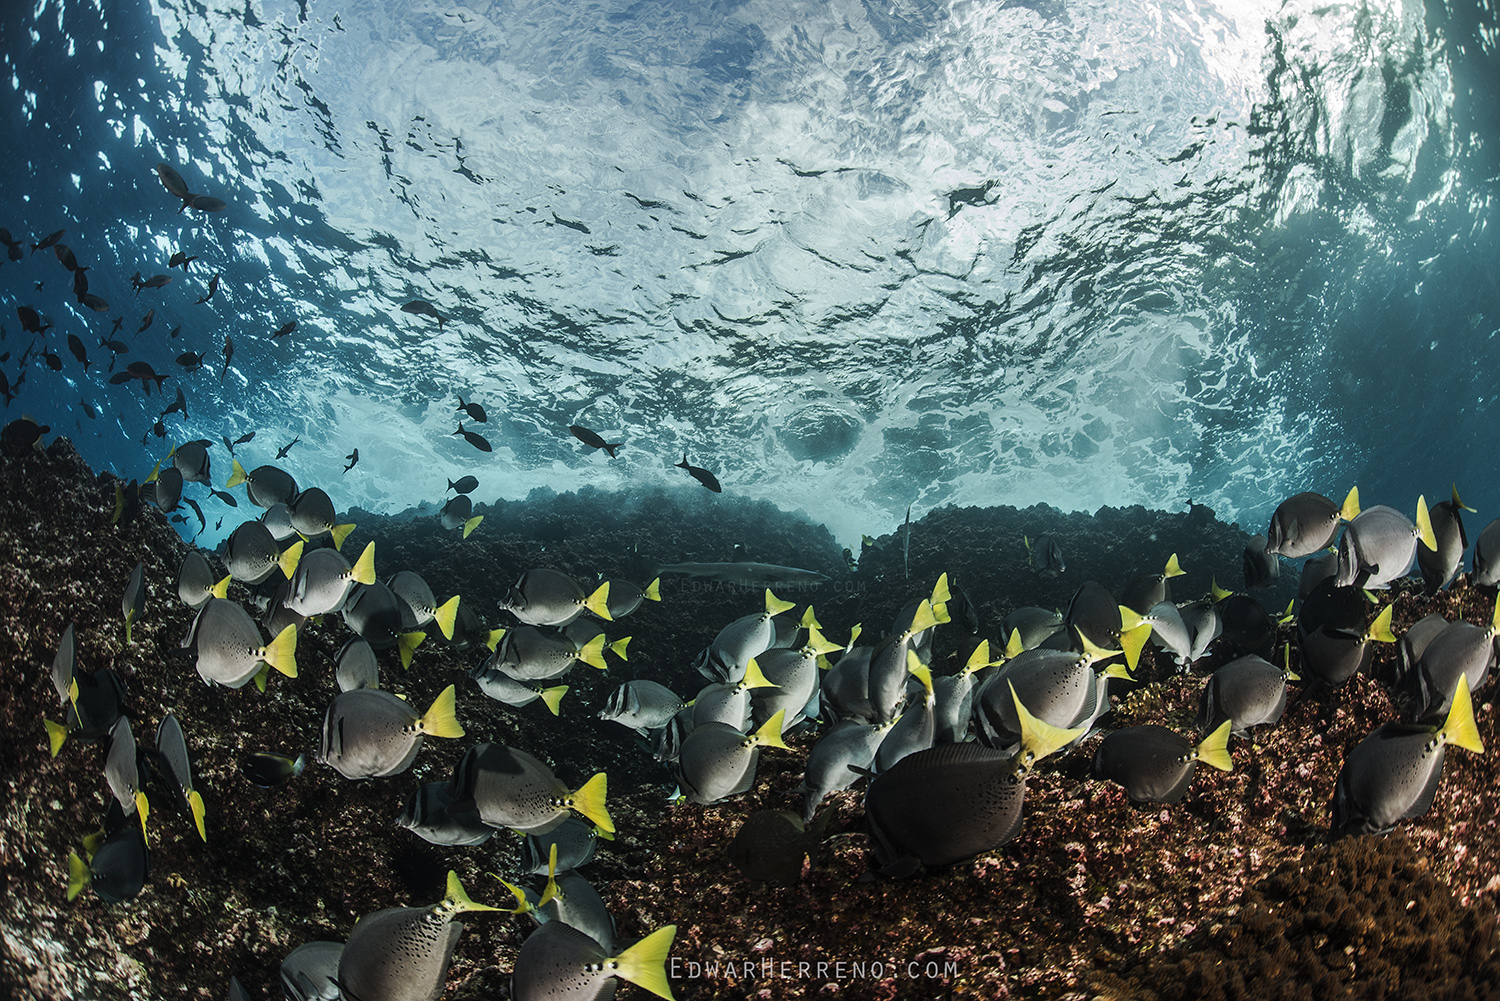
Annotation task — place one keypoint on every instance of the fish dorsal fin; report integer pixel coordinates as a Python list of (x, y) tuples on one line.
[(1459, 728), (1173, 568), (645, 963), (1349, 510), (1380, 629), (775, 606), (769, 733), (1214, 750), (1038, 738), (457, 900), (588, 800), (1424, 525), (441, 718)]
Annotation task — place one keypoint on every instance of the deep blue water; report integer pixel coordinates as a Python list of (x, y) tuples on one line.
[(849, 257)]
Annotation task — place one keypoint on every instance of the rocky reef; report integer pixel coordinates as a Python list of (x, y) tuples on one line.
[(1235, 892)]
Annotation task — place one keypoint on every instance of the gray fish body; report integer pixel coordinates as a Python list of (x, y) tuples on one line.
[(887, 686), (942, 805), (420, 605), (1315, 571), (166, 491), (120, 867), (1154, 764), (436, 816), (311, 512), (1390, 776), (913, 731), (373, 612), (560, 963), (251, 553), (838, 760), (457, 511), (191, 460), (1034, 624), (195, 580), (1462, 649), (1301, 525), (1058, 687), (1332, 657), (1413, 644), (307, 972), (1146, 591), (1095, 612), (133, 601), (278, 520), (1378, 547), (578, 905), (355, 665), (171, 748), (120, 769), (1170, 632), (747, 574), (1248, 691), (771, 844), (846, 685), (229, 643), (1441, 565), (722, 702), (716, 761), (495, 683), (65, 665), (399, 954), (746, 637), (544, 597), (1486, 559), (576, 841), (1203, 621), (641, 705), (368, 733), (1261, 568), (624, 598), (511, 789), (1047, 556), (267, 486), (953, 707), (795, 675), (321, 583), (530, 654)]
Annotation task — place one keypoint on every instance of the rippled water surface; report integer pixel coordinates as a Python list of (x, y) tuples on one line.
[(848, 256)]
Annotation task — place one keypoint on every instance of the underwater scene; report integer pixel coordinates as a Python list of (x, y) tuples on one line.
[(749, 499)]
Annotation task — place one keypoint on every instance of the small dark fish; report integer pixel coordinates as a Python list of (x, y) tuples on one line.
[(284, 329), (31, 320), (12, 245), (65, 257), (190, 360), (207, 203), (175, 331), (155, 281), (1045, 554), (474, 410), (227, 498), (464, 484), (48, 241), (80, 283), (182, 259), (179, 406), (425, 308), (52, 360), (142, 371), (94, 302), (353, 458), (284, 449), (593, 440), (115, 347), (248, 436), (771, 845), (175, 185), (146, 321), (228, 354), (213, 286), (703, 476), (479, 441), (271, 770)]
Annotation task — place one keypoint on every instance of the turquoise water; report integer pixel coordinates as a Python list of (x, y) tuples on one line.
[(849, 257)]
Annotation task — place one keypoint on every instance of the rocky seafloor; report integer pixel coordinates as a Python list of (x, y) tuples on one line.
[(1235, 892)]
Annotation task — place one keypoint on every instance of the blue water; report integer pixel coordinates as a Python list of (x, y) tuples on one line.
[(849, 257)]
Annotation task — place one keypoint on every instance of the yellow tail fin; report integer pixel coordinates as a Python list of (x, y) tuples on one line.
[(1380, 629), (589, 801), (940, 592), (493, 638), (770, 732), (645, 963), (1098, 653), (340, 533), (1350, 508), (441, 718), (1173, 568), (364, 567), (653, 590), (810, 619), (458, 901), (980, 658), (1039, 739), (1495, 616), (550, 891), (923, 620), (1459, 729), (1460, 505), (1424, 525), (919, 670), (236, 475), (260, 678), (446, 616), (221, 589), (598, 602), (522, 905), (195, 803), (775, 606), (1133, 641), (754, 678), (1014, 647), (282, 653), (79, 875), (406, 645), (289, 558), (472, 524), (1218, 593), (155, 472), (618, 647), (1215, 748), (552, 697), (56, 734), (1129, 617), (592, 653)]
